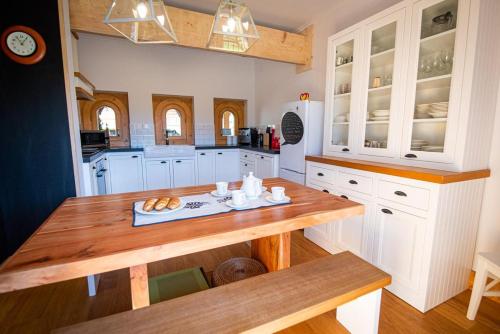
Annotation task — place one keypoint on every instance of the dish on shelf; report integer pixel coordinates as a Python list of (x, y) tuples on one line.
[(433, 148), (420, 115), (340, 118), (380, 113), (439, 114), (380, 118)]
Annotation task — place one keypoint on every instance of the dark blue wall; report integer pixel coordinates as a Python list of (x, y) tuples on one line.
[(36, 172)]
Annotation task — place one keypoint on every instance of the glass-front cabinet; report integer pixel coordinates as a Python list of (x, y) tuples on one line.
[(382, 85), (341, 92), (433, 97)]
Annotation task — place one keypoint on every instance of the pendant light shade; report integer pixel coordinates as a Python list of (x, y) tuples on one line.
[(233, 28), (141, 21)]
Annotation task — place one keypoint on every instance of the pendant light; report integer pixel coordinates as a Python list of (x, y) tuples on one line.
[(141, 21), (233, 28)]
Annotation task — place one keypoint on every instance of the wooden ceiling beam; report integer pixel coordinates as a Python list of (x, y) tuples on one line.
[(192, 30)]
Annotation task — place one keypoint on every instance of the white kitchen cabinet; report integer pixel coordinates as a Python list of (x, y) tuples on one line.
[(205, 167), (411, 89), (408, 228), (157, 174), (126, 172), (227, 165), (264, 166), (246, 167), (183, 172), (400, 245)]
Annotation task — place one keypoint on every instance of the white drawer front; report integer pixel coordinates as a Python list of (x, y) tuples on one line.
[(404, 194), (318, 174), (245, 155), (359, 183)]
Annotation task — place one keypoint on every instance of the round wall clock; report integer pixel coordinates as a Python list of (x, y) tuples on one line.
[(23, 45)]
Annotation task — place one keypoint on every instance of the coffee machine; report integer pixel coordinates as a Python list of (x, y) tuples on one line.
[(244, 136)]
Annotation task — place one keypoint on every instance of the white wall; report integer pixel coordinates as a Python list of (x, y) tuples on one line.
[(116, 64), (488, 237), (277, 83)]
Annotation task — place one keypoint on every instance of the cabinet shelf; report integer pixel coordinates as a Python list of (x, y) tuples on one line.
[(434, 82), (430, 120), (342, 95), (383, 58), (377, 122), (343, 66), (380, 91), (444, 34), (340, 123)]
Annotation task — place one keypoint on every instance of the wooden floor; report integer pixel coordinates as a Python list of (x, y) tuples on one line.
[(38, 310)]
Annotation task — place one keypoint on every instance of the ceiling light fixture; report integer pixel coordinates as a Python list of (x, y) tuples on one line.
[(141, 21), (233, 28)]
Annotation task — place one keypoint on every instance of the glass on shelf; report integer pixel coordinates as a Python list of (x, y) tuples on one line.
[(439, 18)]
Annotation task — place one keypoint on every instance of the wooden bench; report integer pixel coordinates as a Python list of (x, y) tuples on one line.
[(263, 304)]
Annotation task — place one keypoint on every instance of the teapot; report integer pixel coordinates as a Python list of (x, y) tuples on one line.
[(252, 186)]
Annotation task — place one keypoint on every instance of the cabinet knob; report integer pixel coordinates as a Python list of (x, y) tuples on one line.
[(400, 193), (163, 162), (246, 156), (202, 153), (246, 165), (326, 191), (220, 153), (353, 182), (410, 155), (321, 174), (178, 161), (262, 157), (345, 149), (387, 211), (344, 196), (135, 156)]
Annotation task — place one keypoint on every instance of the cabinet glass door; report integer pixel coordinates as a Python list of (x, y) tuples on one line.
[(341, 92), (382, 68), (434, 100)]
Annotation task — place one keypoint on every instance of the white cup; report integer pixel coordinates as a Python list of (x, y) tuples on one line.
[(278, 193), (239, 197), (221, 188)]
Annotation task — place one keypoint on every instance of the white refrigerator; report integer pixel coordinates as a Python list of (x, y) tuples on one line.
[(301, 131)]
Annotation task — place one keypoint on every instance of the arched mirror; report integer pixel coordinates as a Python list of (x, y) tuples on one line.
[(173, 122), (228, 124), (106, 118)]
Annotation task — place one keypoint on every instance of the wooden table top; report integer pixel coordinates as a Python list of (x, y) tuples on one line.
[(91, 235)]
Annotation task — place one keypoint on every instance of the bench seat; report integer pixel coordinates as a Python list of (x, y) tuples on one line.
[(261, 304)]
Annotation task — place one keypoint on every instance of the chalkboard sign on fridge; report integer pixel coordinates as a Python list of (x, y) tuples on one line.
[(292, 128)]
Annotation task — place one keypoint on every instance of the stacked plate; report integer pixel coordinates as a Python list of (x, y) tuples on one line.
[(434, 148), (422, 111), (439, 110), (418, 144), (378, 115)]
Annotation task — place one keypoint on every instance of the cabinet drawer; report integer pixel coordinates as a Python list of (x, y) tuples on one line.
[(359, 183), (404, 194), (319, 174), (250, 157)]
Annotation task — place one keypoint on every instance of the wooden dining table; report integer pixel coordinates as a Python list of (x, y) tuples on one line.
[(92, 235)]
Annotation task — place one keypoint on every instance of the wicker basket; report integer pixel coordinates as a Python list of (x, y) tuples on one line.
[(236, 269)]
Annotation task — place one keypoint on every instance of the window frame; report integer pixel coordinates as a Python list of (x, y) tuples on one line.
[(237, 107), (184, 106)]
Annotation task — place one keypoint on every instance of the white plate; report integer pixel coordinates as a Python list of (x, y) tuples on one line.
[(380, 113), (439, 114), (153, 212), (380, 118), (433, 148), (270, 199), (238, 207), (215, 194)]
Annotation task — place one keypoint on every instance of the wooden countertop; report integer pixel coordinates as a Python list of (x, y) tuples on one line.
[(410, 172), (91, 235)]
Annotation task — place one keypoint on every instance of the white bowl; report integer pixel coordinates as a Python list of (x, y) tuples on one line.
[(439, 114), (380, 113)]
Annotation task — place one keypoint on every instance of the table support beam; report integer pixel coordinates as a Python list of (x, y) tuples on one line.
[(361, 315), (273, 251), (139, 286)]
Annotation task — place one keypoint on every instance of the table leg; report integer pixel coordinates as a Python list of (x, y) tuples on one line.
[(361, 315), (273, 251), (139, 286)]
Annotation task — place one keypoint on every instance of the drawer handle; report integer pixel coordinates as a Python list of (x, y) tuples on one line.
[(262, 157), (353, 182), (178, 161), (344, 196), (246, 156), (220, 153), (135, 156), (400, 193), (345, 150), (326, 191), (202, 153), (246, 165), (321, 174), (163, 162), (410, 155), (387, 211)]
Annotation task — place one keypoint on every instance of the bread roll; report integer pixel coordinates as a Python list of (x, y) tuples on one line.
[(174, 203), (149, 204), (162, 203)]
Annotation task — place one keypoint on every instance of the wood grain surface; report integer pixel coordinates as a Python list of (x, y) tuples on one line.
[(261, 304), (410, 172), (91, 235)]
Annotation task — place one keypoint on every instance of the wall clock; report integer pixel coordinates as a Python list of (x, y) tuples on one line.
[(23, 45)]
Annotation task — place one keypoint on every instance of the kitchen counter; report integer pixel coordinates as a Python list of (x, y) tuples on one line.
[(93, 156), (242, 147)]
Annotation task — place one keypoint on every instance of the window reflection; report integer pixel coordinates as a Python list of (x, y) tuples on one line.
[(228, 124), (107, 120), (173, 123)]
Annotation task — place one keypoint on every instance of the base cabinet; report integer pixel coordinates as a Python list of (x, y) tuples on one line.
[(126, 173), (158, 174), (263, 165), (410, 228), (205, 165), (183, 173), (227, 165)]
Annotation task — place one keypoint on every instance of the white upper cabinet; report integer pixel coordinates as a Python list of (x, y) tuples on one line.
[(382, 86), (342, 92), (435, 76), (415, 85)]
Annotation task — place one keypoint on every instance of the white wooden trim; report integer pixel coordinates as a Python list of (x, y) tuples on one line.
[(361, 316)]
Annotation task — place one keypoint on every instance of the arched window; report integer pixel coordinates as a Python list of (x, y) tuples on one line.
[(173, 123), (106, 118), (228, 126)]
